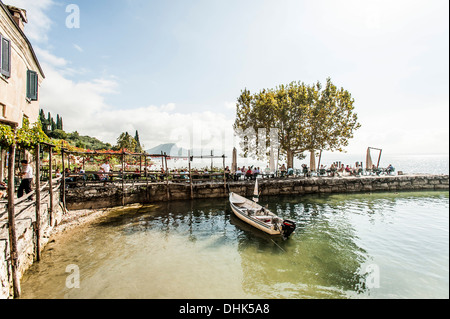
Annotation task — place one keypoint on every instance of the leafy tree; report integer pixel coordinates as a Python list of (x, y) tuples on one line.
[(295, 118), (44, 122), (58, 134), (126, 141), (138, 148)]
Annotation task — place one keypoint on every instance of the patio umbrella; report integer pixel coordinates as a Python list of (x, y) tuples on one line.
[(272, 160), (234, 163), (312, 163), (369, 163)]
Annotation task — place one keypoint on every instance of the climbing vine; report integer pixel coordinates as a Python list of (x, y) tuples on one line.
[(6, 136), (26, 137)]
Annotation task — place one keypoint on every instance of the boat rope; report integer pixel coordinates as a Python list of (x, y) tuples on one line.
[(277, 245)]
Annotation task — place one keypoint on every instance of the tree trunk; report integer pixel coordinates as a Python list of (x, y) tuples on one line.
[(290, 159), (312, 161)]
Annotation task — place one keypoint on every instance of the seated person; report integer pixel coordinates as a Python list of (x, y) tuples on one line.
[(290, 171), (238, 174), (267, 171), (390, 169), (249, 174), (227, 173), (304, 170), (162, 175), (348, 170), (256, 172), (322, 170), (283, 170), (101, 176)]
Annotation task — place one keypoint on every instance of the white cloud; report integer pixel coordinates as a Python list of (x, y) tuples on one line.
[(46, 57), (78, 48), (38, 22), (230, 105), (83, 108), (377, 73)]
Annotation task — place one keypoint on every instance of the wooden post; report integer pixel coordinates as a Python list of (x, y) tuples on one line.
[(211, 160), (146, 178), (140, 166), (63, 179), (38, 204), (224, 175), (162, 160), (379, 158), (12, 222), (320, 159), (167, 180), (50, 184), (123, 177), (190, 176)]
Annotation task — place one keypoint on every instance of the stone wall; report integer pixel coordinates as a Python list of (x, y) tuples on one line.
[(111, 195), (26, 237)]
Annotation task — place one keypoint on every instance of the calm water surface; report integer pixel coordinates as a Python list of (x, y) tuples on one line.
[(380, 245)]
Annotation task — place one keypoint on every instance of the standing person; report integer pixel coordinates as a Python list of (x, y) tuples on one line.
[(27, 178), (283, 170), (106, 168)]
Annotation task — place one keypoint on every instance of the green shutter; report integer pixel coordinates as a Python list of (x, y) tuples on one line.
[(5, 53), (32, 85)]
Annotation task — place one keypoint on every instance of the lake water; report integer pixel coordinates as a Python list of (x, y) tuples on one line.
[(380, 245)]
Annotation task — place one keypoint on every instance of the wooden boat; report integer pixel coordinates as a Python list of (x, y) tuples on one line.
[(259, 217)]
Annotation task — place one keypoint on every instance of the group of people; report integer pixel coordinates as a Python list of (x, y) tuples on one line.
[(251, 173), (339, 169)]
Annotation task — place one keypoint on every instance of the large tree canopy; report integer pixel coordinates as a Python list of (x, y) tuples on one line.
[(295, 118)]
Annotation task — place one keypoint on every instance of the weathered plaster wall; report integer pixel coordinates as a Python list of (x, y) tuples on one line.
[(26, 238)]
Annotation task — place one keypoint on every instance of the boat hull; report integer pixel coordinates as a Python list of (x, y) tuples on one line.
[(253, 221)]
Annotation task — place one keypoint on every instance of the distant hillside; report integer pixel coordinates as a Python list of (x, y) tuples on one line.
[(170, 149)]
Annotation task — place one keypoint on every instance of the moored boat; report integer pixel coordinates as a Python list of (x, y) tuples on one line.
[(260, 217)]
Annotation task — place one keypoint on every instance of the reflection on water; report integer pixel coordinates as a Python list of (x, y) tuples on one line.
[(198, 249)]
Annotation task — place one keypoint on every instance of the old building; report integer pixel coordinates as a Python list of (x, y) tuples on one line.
[(20, 72)]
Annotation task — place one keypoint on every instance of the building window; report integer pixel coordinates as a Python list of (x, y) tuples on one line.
[(32, 85), (5, 56), (2, 111)]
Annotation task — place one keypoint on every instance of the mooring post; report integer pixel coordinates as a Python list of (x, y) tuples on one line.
[(12, 223), (167, 180), (224, 175), (190, 176), (123, 177), (38, 204), (63, 179), (50, 184), (146, 178)]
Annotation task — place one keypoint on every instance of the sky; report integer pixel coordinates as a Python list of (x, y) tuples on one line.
[(173, 70)]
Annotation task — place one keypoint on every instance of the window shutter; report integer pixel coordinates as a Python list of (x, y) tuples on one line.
[(5, 57), (32, 85)]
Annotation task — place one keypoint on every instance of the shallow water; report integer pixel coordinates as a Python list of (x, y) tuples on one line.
[(380, 245)]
